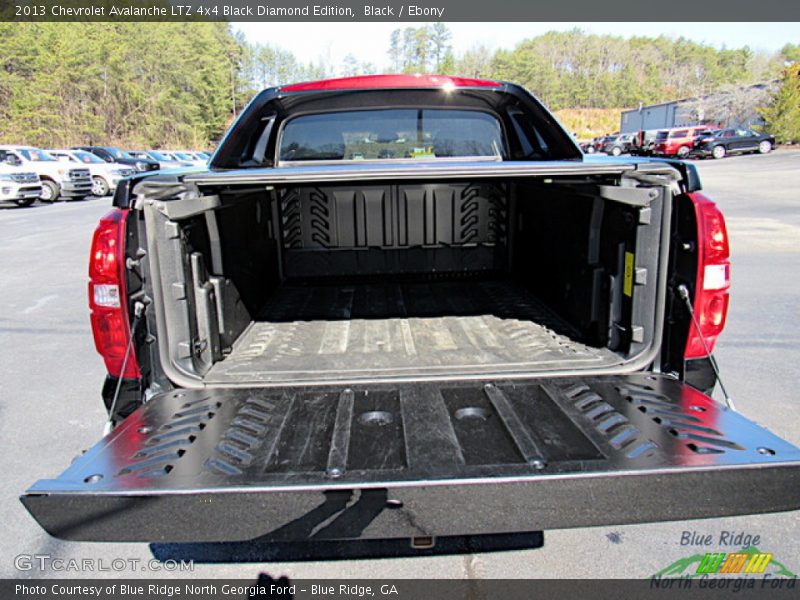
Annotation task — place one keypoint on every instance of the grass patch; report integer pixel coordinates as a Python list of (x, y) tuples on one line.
[(590, 122)]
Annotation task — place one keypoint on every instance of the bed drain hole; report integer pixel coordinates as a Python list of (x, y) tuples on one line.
[(767, 451), (93, 478), (472, 413), (376, 417)]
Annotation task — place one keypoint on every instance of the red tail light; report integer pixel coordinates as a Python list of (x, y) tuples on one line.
[(107, 295), (713, 276)]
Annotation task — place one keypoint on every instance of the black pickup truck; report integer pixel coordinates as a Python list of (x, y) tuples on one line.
[(409, 307)]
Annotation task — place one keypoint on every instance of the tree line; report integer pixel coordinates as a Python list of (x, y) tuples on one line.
[(180, 84), (134, 84)]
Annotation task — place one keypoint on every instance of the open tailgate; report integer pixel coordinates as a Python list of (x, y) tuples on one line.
[(442, 458)]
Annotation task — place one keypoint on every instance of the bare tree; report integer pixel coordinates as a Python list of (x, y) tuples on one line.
[(732, 106), (475, 62)]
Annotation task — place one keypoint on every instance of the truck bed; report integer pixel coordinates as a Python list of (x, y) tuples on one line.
[(357, 331)]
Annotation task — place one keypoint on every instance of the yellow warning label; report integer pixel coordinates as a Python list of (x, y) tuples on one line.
[(627, 288)]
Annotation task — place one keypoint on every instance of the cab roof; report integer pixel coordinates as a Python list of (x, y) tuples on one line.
[(389, 81)]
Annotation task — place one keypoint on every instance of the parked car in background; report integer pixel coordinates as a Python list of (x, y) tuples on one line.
[(105, 175), (164, 159), (58, 180), (600, 142), (191, 158), (678, 141), (110, 154), (587, 145), (644, 141), (18, 186), (619, 144), (732, 141)]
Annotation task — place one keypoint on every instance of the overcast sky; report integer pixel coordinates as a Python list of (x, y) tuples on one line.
[(368, 42)]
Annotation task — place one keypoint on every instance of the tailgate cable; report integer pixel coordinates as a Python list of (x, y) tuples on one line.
[(683, 292), (138, 311)]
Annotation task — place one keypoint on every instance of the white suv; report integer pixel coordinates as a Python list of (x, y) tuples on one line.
[(105, 176), (58, 179), (18, 186)]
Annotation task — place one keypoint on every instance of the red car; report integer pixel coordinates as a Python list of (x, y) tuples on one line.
[(678, 141)]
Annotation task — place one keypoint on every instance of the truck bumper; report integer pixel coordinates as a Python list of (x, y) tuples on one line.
[(76, 188), (425, 460), (12, 191)]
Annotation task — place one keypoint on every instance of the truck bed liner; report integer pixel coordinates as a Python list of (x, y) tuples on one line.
[(388, 461), (358, 331)]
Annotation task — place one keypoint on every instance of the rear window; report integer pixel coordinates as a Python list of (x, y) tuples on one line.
[(679, 133), (420, 134), (661, 136)]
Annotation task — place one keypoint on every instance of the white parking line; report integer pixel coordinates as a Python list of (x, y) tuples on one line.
[(39, 304)]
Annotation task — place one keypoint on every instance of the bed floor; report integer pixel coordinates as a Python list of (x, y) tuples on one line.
[(367, 331)]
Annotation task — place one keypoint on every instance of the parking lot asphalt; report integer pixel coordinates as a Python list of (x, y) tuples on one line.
[(50, 408)]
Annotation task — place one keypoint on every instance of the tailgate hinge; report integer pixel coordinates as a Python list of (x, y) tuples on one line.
[(182, 208), (634, 196)]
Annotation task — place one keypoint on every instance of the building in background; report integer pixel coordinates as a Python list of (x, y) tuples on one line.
[(734, 106)]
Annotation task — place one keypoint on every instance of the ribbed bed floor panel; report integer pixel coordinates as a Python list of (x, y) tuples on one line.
[(336, 332)]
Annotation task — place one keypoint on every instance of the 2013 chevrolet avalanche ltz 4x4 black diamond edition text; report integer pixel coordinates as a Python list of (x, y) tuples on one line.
[(414, 291)]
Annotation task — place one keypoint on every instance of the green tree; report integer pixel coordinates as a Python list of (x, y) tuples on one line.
[(790, 53), (439, 37), (423, 49), (350, 66), (164, 84), (396, 50), (475, 62), (782, 115)]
